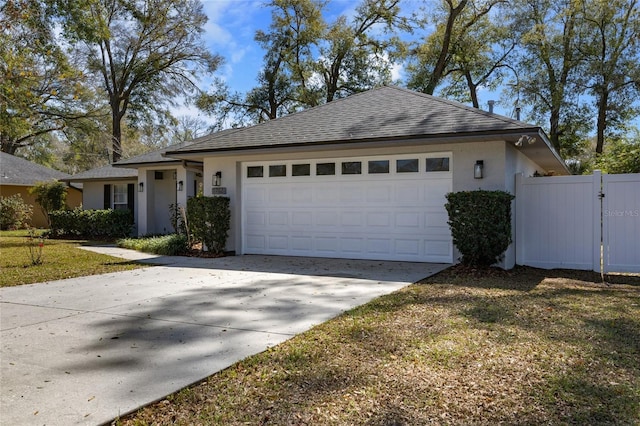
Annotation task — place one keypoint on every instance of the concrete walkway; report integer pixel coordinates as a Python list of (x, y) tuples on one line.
[(86, 350)]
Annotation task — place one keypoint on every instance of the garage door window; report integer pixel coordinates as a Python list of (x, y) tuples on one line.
[(255, 172), (407, 166), (440, 164), (351, 168), (378, 166), (325, 169), (277, 170), (301, 170)]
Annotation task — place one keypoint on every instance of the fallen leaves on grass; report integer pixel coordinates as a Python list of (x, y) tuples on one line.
[(462, 347)]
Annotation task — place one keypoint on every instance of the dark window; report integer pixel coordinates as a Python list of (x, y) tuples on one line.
[(277, 170), (325, 169), (158, 175), (351, 168), (438, 164), (255, 171), (301, 170), (407, 166), (378, 166)]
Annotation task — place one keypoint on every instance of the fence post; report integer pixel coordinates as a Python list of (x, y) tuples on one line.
[(597, 220)]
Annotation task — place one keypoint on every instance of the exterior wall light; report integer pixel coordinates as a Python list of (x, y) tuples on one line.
[(217, 179), (180, 185), (478, 169), (141, 187)]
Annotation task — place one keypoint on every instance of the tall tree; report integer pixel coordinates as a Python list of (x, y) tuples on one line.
[(309, 62), (611, 49), (550, 66), (480, 59), (353, 56), (434, 59), (145, 52), (41, 91)]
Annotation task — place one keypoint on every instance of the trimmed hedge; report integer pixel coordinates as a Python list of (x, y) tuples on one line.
[(90, 223), (480, 224), (209, 221)]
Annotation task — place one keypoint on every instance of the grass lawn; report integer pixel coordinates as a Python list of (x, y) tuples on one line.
[(522, 347), (60, 259)]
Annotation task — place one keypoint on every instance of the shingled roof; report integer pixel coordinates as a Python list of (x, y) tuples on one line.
[(18, 171), (385, 113), (104, 173)]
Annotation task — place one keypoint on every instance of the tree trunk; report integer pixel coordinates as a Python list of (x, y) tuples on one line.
[(554, 127), (473, 92), (441, 63), (116, 136), (602, 120)]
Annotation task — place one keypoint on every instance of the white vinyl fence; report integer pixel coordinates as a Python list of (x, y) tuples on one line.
[(579, 222)]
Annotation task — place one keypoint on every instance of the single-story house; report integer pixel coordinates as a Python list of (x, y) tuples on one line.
[(18, 176), (360, 177)]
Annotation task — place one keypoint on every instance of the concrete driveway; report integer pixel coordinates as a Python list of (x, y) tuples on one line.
[(86, 350)]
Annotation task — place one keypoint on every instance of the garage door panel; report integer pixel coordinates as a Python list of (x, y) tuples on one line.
[(392, 216), (301, 243), (379, 246), (378, 194), (279, 218), (279, 242), (302, 195), (326, 219), (378, 219), (255, 242), (352, 245), (327, 245), (256, 218), (302, 218), (351, 195), (351, 219), (408, 246), (255, 196), (408, 220), (408, 195)]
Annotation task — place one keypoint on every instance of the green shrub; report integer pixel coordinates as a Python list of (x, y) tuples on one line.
[(91, 223), (50, 196), (167, 245), (14, 212), (209, 221), (480, 224)]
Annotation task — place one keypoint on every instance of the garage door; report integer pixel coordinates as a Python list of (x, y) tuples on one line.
[(389, 208)]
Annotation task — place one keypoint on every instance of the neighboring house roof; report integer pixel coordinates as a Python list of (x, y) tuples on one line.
[(104, 173), (18, 171)]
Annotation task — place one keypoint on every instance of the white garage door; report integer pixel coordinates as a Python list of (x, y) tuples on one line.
[(389, 208)]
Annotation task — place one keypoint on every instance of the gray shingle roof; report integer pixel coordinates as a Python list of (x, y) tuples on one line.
[(384, 113), (151, 157), (104, 173), (18, 171), (158, 155)]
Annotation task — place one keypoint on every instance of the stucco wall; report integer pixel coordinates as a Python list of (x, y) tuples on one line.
[(38, 220), (515, 162), (93, 194)]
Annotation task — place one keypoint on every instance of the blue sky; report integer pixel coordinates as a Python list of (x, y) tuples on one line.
[(231, 28)]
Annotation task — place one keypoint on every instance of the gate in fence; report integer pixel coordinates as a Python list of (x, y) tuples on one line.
[(579, 222)]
